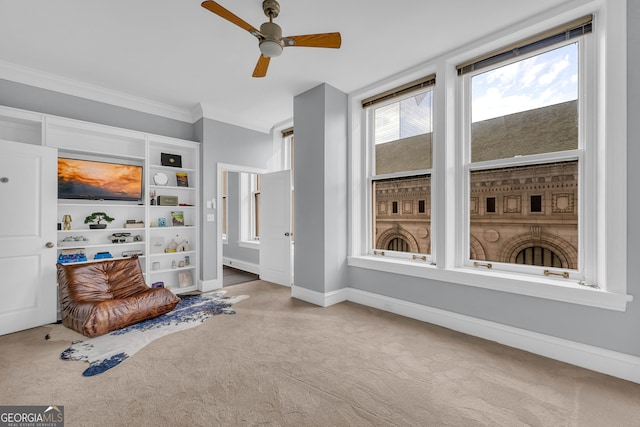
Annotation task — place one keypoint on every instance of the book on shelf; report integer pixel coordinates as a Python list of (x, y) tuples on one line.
[(182, 179), (177, 218)]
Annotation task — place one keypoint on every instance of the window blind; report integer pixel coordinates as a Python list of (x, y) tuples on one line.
[(429, 80), (555, 35), (287, 132)]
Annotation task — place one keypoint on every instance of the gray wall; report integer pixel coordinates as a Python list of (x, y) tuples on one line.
[(232, 249), (320, 182), (618, 331), (225, 143), (45, 101)]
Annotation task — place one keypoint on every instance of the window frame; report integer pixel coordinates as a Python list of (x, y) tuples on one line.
[(369, 112), (608, 86), (247, 210)]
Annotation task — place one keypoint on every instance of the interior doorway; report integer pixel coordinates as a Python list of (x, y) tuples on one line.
[(238, 257), (242, 221)]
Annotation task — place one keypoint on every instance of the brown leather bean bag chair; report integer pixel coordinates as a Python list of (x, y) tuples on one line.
[(100, 297)]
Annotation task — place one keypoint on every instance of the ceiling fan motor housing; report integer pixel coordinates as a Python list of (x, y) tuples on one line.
[(272, 43)]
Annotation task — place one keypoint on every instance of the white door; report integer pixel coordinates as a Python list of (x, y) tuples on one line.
[(275, 227), (28, 192)]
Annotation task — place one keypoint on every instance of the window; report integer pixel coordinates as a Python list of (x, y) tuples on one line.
[(526, 192), (400, 140), (535, 204), (491, 205), (525, 132)]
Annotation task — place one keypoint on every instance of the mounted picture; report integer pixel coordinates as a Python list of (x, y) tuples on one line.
[(182, 179), (96, 180), (173, 160)]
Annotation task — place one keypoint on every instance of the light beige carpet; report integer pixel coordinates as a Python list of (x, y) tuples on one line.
[(283, 362)]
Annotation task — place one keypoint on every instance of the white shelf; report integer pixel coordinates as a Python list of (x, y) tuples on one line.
[(169, 187), (168, 254), (171, 168), (170, 270), (95, 230), (100, 245), (140, 257)]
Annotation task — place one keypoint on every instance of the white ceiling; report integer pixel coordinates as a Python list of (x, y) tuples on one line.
[(174, 56)]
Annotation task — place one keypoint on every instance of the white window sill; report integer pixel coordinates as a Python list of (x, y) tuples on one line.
[(250, 244), (540, 287)]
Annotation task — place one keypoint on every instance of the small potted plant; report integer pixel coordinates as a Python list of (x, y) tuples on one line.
[(94, 220)]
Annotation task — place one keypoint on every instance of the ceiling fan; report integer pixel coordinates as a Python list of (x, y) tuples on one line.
[(270, 34)]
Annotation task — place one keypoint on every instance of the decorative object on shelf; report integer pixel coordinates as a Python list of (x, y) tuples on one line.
[(157, 244), (184, 279), (132, 223), (152, 196), (172, 246), (162, 222), (66, 222), (177, 218), (182, 179), (167, 200), (124, 238), (173, 160), (183, 247), (173, 263), (157, 285), (155, 266), (127, 254), (119, 237), (72, 241), (160, 179), (186, 260), (181, 263), (102, 255), (94, 220)]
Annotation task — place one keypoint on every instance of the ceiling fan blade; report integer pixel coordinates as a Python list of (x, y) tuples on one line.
[(261, 66), (329, 40), (224, 13)]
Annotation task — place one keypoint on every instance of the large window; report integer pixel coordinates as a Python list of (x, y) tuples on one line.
[(400, 173), (526, 142), (509, 174)]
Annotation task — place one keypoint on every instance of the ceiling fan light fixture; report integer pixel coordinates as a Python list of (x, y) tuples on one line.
[(270, 48)]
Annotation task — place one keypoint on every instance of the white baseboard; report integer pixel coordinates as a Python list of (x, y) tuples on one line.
[(241, 265), (597, 359), (209, 285)]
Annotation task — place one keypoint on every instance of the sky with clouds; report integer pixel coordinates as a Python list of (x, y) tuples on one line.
[(546, 79), (542, 80)]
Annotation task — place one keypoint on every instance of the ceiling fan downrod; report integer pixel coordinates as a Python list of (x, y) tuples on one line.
[(271, 8)]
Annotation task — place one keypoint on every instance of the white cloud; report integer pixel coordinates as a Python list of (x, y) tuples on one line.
[(536, 82)]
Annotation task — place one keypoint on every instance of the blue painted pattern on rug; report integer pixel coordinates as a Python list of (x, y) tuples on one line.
[(107, 351)]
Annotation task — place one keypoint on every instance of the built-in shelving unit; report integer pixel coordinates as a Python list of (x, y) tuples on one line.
[(168, 251)]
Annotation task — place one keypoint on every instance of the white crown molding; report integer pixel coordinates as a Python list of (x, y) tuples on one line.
[(49, 81), (208, 111), (597, 359)]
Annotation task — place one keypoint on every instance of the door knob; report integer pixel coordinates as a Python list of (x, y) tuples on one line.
[(287, 234), (49, 245)]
